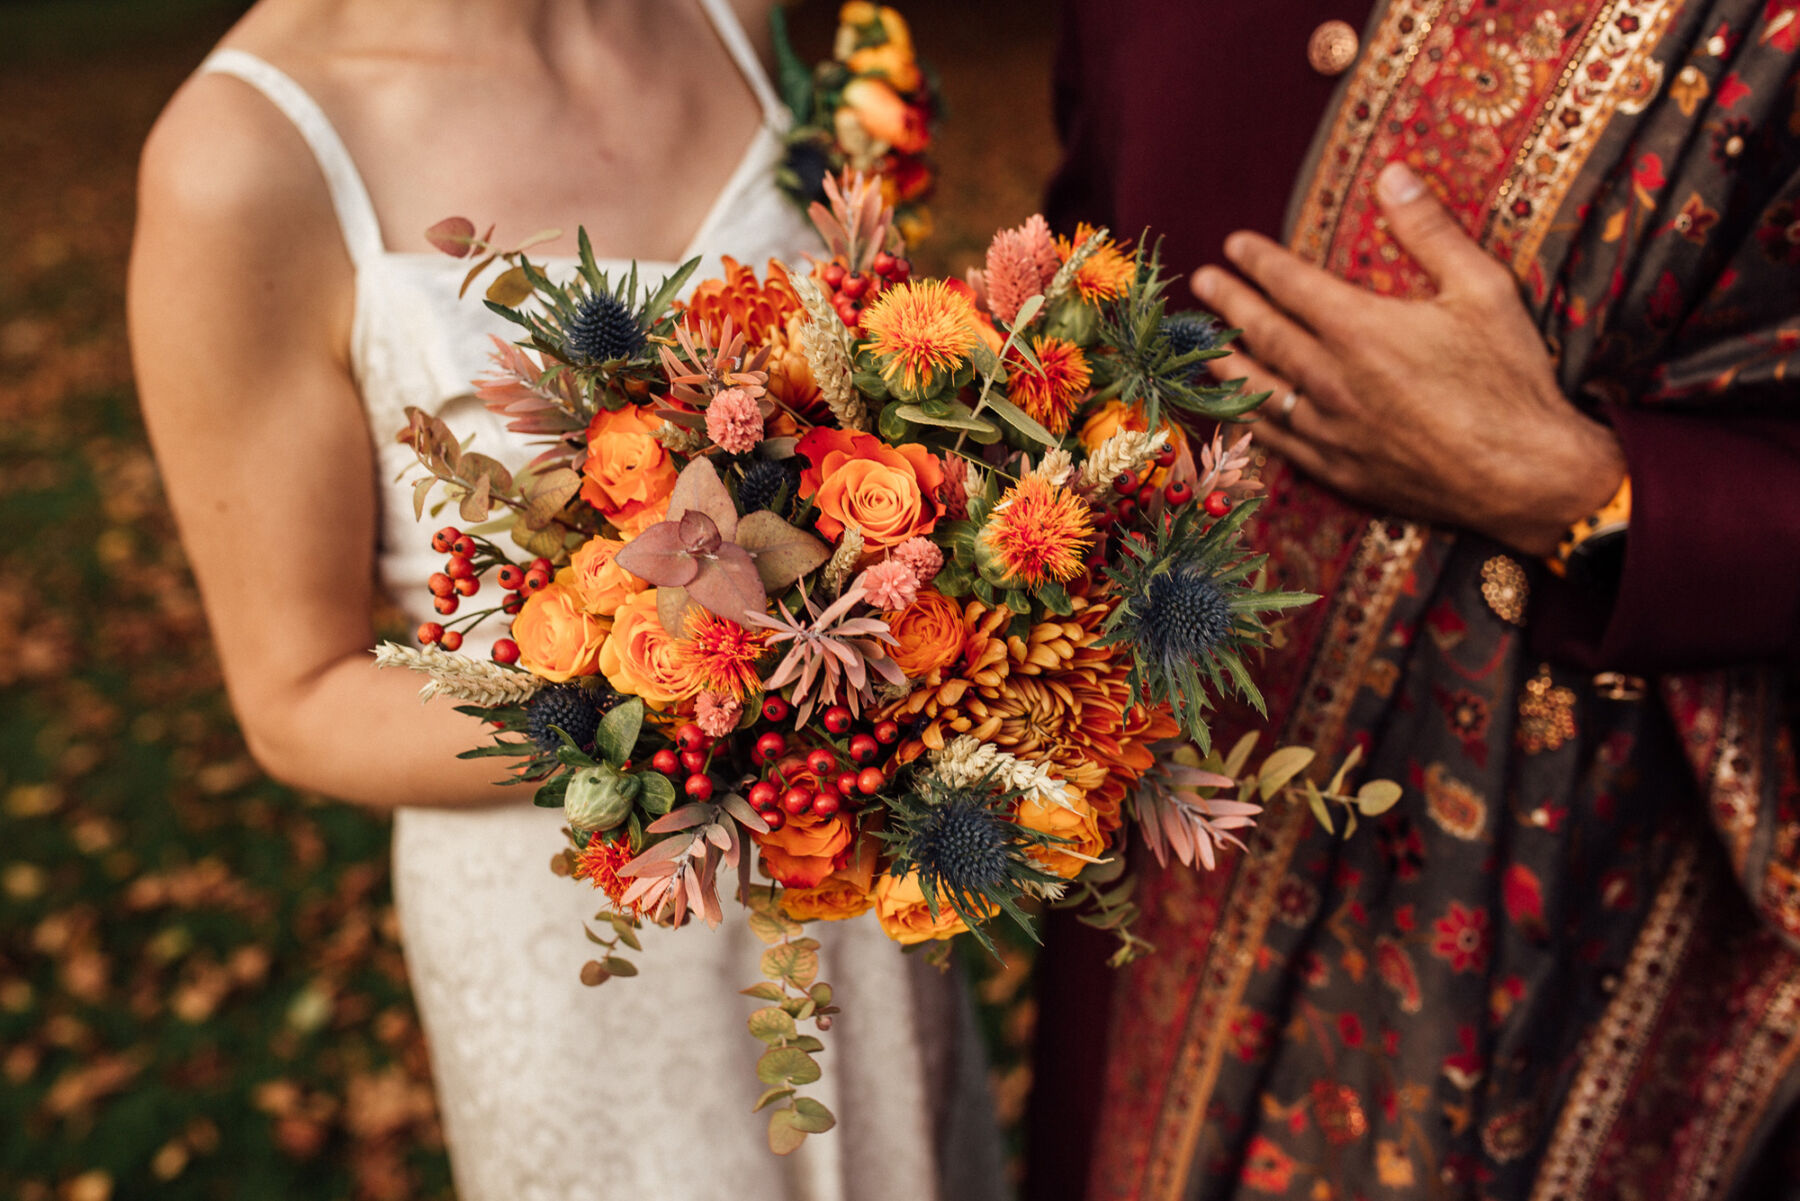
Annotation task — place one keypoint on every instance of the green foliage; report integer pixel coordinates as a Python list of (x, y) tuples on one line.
[(791, 962)]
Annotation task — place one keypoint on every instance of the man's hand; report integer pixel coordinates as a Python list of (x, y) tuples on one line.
[(1445, 409)]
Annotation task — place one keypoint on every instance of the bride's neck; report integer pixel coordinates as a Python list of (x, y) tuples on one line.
[(457, 27)]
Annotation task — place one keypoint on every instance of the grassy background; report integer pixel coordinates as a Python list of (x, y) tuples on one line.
[(201, 994)]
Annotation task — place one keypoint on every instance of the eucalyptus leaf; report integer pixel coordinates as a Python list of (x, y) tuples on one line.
[(787, 1065), (1282, 766), (512, 288), (772, 1024), (1377, 797), (812, 1116), (778, 1093)]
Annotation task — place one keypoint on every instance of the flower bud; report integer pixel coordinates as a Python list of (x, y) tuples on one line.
[(599, 798)]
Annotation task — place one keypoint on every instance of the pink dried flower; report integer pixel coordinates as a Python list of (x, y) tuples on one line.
[(734, 421), (1020, 264), (717, 713), (890, 584), (953, 493), (922, 557)]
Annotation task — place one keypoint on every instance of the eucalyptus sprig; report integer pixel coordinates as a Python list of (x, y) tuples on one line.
[(790, 984)]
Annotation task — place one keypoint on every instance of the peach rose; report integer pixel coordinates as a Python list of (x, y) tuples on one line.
[(558, 639), (905, 917), (629, 474), (1115, 415), (639, 658), (808, 848), (602, 584), (857, 479), (1079, 826), (930, 631), (845, 893)]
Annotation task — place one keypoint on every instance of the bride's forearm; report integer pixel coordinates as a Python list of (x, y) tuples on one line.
[(361, 734)]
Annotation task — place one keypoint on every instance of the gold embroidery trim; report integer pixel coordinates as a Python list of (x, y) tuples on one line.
[(1613, 1048), (1763, 1059), (1505, 589), (1371, 585), (1546, 714)]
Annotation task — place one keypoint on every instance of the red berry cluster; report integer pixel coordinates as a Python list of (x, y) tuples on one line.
[(851, 292), (469, 558), (1134, 495), (688, 760), (781, 794)]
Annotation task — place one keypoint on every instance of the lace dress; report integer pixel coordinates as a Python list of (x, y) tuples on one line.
[(642, 1088)]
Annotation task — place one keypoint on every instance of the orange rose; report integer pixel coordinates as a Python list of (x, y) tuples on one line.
[(602, 584), (845, 893), (1115, 415), (905, 917), (892, 57), (1080, 827), (857, 479), (808, 847), (930, 631), (887, 118), (639, 658), (557, 638), (629, 474)]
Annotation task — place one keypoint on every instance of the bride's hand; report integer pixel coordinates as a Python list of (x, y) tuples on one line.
[(1445, 409)]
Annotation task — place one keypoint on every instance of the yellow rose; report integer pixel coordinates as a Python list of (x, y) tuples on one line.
[(557, 638), (905, 917), (602, 584), (930, 631), (1079, 826), (639, 658), (628, 474)]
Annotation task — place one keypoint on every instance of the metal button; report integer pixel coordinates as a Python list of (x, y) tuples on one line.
[(1332, 48)]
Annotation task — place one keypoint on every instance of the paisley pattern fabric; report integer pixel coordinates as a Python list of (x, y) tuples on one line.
[(1565, 965)]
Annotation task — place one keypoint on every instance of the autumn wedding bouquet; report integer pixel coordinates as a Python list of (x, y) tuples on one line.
[(840, 590)]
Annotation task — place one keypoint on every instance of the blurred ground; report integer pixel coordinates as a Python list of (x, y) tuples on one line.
[(201, 995)]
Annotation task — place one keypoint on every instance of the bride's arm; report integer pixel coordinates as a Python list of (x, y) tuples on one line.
[(239, 305)]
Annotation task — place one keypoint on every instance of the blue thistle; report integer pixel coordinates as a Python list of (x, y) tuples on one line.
[(1188, 332), (604, 329), (571, 708), (1184, 617), (962, 846), (766, 482)]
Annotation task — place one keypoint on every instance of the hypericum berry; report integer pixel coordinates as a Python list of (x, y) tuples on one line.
[(514, 602), (870, 780), (440, 541), (887, 733), (693, 760), (430, 632), (764, 795), (698, 787), (883, 263), (511, 577), (468, 585), (774, 819), (821, 762), (1125, 483), (1217, 503), (691, 737), (451, 641), (854, 286), (506, 651), (440, 584), (666, 761), (846, 782), (1126, 509), (445, 605), (797, 800), (837, 719), (863, 749), (1178, 492), (541, 564), (826, 804), (463, 545), (536, 581), (771, 745), (902, 271), (460, 567), (1102, 518), (833, 274), (775, 709), (1166, 456)]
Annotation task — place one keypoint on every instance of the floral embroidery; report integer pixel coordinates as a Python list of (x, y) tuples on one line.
[(1453, 805), (1460, 938)]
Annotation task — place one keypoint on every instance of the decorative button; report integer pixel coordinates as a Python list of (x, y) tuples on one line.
[(1332, 47)]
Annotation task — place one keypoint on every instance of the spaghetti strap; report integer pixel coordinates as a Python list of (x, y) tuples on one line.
[(349, 196), (737, 43)]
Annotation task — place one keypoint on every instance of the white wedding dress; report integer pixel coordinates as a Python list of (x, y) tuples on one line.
[(641, 1088)]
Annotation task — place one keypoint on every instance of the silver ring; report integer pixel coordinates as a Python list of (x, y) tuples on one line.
[(1289, 403)]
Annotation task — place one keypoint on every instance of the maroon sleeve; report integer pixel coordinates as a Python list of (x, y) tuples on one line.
[(1712, 560)]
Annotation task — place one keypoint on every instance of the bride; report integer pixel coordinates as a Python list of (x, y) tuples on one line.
[(285, 308)]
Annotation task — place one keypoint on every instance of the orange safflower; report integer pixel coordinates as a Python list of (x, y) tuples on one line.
[(1107, 273), (1039, 532), (1051, 391), (599, 863), (722, 653), (921, 330)]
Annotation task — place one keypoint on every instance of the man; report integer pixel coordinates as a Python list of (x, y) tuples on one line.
[(1532, 351)]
